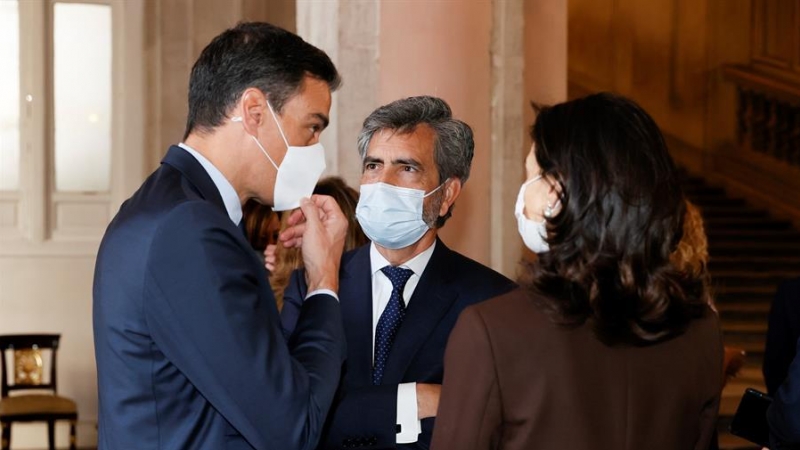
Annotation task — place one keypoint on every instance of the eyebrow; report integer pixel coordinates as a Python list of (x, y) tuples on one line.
[(407, 162), (322, 118), (397, 162)]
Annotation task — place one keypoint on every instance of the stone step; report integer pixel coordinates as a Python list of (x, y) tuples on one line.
[(754, 263), (716, 200), (754, 349), (777, 274), (713, 224), (723, 295), (722, 236), (750, 253), (762, 249), (702, 190), (709, 212), (768, 281), (743, 311), (747, 327)]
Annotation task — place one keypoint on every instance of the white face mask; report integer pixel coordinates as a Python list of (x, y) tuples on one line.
[(391, 216), (534, 234), (298, 173)]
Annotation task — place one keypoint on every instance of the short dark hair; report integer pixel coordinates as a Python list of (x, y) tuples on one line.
[(252, 54), (621, 220), (453, 146)]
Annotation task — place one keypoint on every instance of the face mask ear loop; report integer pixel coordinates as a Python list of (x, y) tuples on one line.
[(261, 147), (275, 118), (436, 189), (264, 151)]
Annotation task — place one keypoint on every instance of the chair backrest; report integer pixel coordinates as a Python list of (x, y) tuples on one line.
[(28, 365)]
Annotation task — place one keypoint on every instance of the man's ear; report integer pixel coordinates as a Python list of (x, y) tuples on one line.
[(452, 189), (253, 105)]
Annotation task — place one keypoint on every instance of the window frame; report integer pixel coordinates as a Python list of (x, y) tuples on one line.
[(39, 228)]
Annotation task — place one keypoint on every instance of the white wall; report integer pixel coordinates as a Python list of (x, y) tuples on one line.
[(52, 294)]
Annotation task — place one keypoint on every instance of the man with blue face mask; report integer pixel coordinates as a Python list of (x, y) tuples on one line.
[(401, 294), (189, 349)]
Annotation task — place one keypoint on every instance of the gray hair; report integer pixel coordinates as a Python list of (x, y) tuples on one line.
[(453, 145)]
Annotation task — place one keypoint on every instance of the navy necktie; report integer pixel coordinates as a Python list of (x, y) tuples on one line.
[(390, 319)]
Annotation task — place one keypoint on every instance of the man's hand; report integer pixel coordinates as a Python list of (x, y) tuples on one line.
[(428, 399), (319, 228)]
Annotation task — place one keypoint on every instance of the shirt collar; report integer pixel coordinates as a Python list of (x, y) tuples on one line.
[(229, 196), (417, 264)]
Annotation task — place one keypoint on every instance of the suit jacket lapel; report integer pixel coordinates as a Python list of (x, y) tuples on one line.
[(186, 164), (431, 300), (356, 302)]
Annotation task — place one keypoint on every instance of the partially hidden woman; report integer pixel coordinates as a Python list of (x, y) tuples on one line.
[(609, 344)]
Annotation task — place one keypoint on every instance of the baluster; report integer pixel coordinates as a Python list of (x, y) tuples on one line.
[(772, 126), (759, 122), (742, 115), (782, 112), (794, 140), (749, 120)]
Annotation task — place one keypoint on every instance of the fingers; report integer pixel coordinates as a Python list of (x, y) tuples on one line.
[(310, 211), (290, 235), (327, 205), (296, 216), (269, 257)]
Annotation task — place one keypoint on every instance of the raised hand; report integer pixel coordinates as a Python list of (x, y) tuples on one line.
[(319, 228)]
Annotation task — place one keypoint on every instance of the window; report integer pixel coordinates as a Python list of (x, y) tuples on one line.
[(9, 97), (82, 97), (66, 87)]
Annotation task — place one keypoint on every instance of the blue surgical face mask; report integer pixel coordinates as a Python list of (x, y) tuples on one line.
[(391, 216)]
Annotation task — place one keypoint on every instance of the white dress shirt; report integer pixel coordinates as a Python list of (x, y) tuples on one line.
[(231, 199), (407, 416)]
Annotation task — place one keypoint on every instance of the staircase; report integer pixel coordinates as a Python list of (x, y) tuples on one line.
[(750, 254)]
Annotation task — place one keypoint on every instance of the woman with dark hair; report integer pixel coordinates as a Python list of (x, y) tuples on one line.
[(611, 342)]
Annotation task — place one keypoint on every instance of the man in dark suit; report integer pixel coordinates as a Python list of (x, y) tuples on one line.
[(401, 294), (782, 367), (189, 349), (782, 334)]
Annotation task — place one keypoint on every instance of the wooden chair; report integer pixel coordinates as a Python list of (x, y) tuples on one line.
[(37, 400)]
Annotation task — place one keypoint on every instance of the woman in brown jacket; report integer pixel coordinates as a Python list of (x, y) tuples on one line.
[(609, 344)]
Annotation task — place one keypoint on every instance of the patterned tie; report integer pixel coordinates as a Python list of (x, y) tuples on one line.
[(390, 320)]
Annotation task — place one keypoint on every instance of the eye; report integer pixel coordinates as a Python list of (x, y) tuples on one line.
[(411, 169), (370, 166)]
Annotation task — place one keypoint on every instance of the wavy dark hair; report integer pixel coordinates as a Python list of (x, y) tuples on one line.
[(621, 219)]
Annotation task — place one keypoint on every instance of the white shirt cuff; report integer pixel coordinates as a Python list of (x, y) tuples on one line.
[(329, 292), (407, 418)]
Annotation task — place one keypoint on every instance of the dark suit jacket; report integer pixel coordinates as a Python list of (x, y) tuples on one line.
[(782, 334), (363, 415), (783, 414), (189, 349), (516, 381)]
